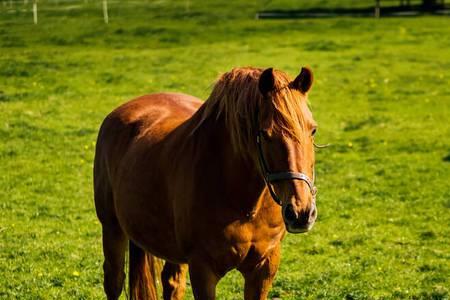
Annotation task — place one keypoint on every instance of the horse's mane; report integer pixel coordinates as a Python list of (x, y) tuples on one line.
[(236, 98)]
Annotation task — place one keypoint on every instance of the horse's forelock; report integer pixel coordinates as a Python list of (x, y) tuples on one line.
[(236, 98)]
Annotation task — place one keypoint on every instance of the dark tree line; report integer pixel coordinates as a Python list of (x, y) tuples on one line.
[(430, 4)]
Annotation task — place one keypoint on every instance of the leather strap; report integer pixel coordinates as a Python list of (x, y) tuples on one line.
[(274, 177)]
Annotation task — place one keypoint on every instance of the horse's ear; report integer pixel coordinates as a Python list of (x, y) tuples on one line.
[(304, 80), (266, 81)]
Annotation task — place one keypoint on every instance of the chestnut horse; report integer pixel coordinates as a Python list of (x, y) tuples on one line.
[(194, 183)]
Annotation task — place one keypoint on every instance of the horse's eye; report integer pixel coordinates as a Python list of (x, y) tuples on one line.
[(264, 134), (314, 131)]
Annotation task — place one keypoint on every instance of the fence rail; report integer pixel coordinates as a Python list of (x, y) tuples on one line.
[(35, 7)]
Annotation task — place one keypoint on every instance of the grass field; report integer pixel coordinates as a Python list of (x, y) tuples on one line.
[(381, 98)]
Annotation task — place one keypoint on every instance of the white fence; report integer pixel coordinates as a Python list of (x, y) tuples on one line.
[(34, 6)]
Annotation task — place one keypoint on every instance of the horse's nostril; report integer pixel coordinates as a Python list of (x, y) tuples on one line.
[(304, 218), (289, 213)]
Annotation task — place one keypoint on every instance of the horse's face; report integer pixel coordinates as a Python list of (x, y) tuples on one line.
[(290, 161), (297, 196)]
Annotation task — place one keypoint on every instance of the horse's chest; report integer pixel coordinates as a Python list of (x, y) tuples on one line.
[(245, 245)]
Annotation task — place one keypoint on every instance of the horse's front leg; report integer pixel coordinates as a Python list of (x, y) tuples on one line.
[(203, 278), (258, 280), (173, 277)]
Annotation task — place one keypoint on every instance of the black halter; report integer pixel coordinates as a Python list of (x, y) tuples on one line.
[(274, 177)]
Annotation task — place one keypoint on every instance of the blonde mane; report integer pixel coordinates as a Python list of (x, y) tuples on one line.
[(236, 98)]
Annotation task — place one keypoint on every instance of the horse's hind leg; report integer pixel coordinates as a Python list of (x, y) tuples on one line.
[(114, 240), (173, 277), (114, 247)]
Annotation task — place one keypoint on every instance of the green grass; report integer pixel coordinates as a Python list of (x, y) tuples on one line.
[(381, 98)]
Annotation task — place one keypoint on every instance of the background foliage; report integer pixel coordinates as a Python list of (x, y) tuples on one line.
[(381, 98)]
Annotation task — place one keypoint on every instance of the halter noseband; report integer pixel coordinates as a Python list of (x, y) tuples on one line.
[(270, 177)]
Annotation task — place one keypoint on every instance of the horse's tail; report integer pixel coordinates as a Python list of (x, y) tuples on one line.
[(142, 274)]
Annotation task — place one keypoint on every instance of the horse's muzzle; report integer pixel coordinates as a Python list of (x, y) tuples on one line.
[(299, 222)]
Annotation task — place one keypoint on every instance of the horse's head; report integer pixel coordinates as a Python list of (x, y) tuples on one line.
[(284, 131), (268, 119)]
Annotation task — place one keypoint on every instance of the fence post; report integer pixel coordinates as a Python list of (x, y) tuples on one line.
[(105, 11), (377, 8), (35, 16)]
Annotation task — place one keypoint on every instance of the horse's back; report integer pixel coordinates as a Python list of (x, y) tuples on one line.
[(152, 116), (152, 110), (149, 106)]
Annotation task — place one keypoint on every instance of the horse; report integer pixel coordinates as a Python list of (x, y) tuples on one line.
[(205, 187)]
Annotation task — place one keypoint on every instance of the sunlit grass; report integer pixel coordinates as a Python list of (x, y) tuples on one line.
[(381, 98)]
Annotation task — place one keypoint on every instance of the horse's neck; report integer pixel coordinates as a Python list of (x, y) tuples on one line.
[(241, 181)]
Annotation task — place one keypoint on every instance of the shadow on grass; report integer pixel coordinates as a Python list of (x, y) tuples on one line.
[(446, 158), (392, 11)]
